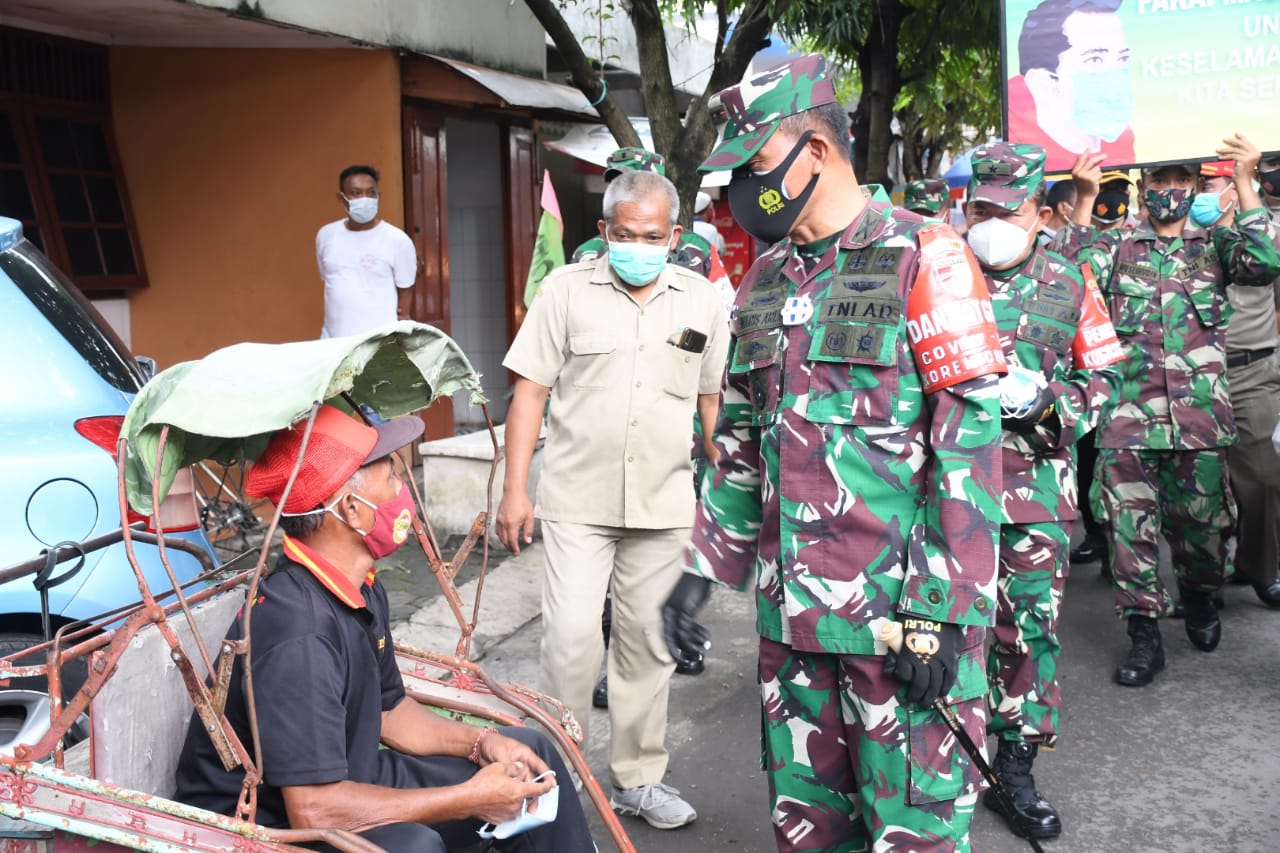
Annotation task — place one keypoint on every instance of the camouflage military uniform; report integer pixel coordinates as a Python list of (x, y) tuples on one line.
[(1041, 308), (858, 484), (927, 198), (828, 497), (1162, 437)]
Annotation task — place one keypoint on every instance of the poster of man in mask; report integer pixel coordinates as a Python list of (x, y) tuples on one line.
[(1122, 77)]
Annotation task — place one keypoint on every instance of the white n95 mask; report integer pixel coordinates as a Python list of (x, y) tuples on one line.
[(548, 805)]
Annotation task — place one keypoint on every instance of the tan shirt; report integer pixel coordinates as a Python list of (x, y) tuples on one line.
[(1252, 325), (622, 397)]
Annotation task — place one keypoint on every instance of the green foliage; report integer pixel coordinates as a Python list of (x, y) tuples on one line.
[(947, 59)]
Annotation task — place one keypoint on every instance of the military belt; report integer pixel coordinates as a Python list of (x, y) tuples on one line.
[(1240, 359)]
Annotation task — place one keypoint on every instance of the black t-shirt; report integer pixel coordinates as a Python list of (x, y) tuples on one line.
[(324, 670)]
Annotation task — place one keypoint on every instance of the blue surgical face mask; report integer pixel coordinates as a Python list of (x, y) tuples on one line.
[(1102, 102), (548, 806), (363, 209), (1205, 209), (638, 264)]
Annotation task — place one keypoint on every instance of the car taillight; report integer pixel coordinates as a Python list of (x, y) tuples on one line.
[(178, 511)]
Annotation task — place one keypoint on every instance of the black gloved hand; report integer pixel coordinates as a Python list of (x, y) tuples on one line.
[(686, 639), (928, 660), (1041, 411)]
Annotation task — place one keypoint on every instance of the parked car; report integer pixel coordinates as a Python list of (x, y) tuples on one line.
[(66, 384)]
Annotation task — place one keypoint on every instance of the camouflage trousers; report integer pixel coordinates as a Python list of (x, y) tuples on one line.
[(1022, 664), (1180, 494), (852, 768)]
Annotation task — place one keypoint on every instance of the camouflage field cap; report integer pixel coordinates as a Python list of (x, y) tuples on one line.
[(1192, 169), (926, 196), (634, 160), (753, 108), (1006, 173)]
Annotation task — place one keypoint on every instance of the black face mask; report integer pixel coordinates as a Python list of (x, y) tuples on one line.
[(1270, 182), (759, 202)]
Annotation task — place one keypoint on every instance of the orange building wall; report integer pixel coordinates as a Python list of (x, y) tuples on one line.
[(231, 159)]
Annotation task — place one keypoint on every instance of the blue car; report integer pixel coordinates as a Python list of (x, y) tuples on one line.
[(67, 383)]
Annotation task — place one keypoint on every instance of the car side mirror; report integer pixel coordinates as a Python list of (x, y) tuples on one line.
[(146, 366)]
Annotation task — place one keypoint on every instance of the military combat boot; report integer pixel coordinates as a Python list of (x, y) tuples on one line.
[(1033, 814), (1146, 658), (1204, 626)]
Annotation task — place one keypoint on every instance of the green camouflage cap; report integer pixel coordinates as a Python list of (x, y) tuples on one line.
[(927, 197), (1006, 174), (753, 108), (634, 160)]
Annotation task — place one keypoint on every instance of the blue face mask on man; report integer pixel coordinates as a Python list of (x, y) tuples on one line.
[(1102, 102), (1206, 209), (638, 264)]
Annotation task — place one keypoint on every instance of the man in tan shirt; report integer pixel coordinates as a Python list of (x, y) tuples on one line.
[(626, 346), (1253, 378)]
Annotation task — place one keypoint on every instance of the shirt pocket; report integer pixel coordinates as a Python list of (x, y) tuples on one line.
[(589, 367), (681, 370), (1207, 298), (853, 373), (1131, 301), (758, 356)]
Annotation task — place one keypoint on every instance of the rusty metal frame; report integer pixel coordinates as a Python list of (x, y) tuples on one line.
[(52, 797)]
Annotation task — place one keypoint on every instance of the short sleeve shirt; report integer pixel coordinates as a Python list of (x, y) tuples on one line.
[(324, 670), (362, 271), (622, 394)]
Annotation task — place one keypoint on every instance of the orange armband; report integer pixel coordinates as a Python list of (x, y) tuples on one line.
[(950, 323), (1096, 344)]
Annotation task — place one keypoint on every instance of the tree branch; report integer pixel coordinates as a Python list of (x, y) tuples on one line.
[(583, 74), (655, 73)]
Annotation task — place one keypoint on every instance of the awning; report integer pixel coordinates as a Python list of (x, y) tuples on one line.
[(437, 78), (594, 144)]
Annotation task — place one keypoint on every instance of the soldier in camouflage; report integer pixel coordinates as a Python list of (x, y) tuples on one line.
[(1056, 335), (858, 483), (927, 197), (1162, 438)]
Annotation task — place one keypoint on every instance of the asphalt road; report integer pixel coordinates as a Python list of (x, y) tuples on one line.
[(1189, 764)]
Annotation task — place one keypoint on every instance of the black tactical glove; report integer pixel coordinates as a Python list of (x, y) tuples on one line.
[(1041, 411), (686, 639), (928, 660)]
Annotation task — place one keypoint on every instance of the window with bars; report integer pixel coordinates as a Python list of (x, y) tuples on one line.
[(59, 171)]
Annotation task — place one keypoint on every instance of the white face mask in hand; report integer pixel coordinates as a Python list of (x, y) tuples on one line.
[(998, 242), (548, 806)]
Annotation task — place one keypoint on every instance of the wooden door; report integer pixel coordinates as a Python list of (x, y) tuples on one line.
[(426, 222), (520, 220)]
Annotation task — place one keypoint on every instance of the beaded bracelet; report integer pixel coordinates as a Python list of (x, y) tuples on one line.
[(474, 757)]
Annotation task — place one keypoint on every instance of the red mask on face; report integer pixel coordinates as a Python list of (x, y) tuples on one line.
[(392, 522)]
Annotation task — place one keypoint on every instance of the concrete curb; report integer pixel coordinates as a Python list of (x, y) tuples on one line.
[(512, 598)]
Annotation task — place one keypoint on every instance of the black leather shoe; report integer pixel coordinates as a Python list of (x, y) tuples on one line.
[(1146, 657), (600, 696), (1033, 815), (1204, 628), (1269, 595), (691, 665), (1088, 550)]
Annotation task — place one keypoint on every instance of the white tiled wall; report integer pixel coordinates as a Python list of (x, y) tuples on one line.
[(477, 302)]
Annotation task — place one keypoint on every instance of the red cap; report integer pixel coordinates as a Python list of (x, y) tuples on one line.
[(1218, 169), (339, 446)]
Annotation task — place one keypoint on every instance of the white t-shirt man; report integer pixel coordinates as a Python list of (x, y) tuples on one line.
[(362, 271)]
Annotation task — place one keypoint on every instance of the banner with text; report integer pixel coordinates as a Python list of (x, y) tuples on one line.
[(1143, 81)]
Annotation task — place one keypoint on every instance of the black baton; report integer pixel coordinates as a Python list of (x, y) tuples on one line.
[(891, 635)]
